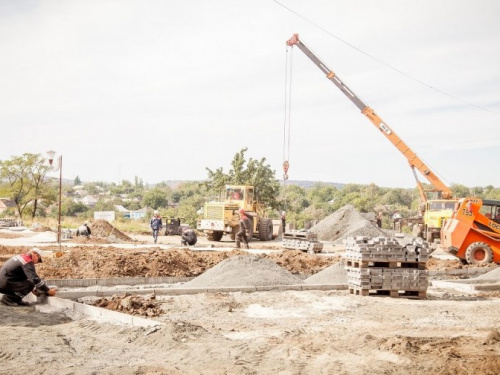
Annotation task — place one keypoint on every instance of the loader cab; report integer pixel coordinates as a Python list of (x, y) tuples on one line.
[(441, 206), (234, 193), (491, 209), (243, 195)]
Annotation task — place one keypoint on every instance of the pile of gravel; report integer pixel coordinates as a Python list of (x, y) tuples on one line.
[(343, 223), (244, 270), (493, 275), (333, 275)]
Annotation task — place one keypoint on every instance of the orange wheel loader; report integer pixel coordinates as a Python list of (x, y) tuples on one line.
[(472, 233)]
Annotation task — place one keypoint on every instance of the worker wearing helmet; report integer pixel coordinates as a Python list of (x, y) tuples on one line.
[(18, 278), (242, 232), (156, 224)]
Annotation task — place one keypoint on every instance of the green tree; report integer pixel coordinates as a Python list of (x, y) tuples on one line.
[(461, 191), (77, 181), (24, 176), (104, 205), (293, 198), (252, 172), (71, 208), (156, 198)]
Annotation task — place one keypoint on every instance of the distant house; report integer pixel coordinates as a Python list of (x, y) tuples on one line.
[(139, 214), (122, 211), (82, 192), (89, 200), (6, 203)]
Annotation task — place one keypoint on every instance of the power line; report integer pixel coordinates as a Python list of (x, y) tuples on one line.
[(385, 64)]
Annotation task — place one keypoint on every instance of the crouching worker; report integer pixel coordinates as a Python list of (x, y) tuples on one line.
[(18, 278), (189, 237), (83, 230)]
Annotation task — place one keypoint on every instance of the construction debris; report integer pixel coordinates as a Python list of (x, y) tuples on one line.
[(134, 305)]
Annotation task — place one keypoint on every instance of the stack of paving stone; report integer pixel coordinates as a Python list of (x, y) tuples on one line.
[(386, 266), (302, 240)]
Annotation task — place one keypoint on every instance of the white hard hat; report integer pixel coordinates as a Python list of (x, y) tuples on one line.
[(156, 211), (39, 253)]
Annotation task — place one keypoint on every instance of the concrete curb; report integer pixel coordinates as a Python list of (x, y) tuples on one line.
[(463, 271), (74, 294), (95, 313), (468, 285)]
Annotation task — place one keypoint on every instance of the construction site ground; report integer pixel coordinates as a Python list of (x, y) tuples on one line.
[(315, 328)]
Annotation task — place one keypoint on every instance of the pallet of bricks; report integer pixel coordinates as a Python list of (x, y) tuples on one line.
[(302, 240), (386, 266)]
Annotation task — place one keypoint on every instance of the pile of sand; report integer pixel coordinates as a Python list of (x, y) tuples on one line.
[(335, 274), (244, 270), (343, 223), (102, 228)]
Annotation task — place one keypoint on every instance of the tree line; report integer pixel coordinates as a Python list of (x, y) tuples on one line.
[(25, 180)]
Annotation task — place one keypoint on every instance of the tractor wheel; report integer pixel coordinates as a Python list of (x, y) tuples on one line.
[(265, 230), (215, 236), (478, 253)]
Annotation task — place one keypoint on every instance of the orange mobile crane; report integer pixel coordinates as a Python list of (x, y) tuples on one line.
[(434, 211)]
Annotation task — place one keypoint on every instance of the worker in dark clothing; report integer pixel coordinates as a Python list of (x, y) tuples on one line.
[(242, 232), (283, 221), (84, 230), (189, 237), (156, 225), (18, 278), (379, 220)]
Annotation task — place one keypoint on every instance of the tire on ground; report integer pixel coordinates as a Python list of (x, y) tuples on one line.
[(215, 236), (265, 230), (478, 253)]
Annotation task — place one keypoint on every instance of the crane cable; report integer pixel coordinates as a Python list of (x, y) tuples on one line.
[(287, 121)]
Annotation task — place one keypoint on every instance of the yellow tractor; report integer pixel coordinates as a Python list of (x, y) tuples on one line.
[(222, 217)]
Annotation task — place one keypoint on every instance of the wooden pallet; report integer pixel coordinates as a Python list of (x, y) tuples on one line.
[(414, 294), (356, 263), (300, 234)]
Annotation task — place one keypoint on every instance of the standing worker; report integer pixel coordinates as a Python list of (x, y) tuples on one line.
[(244, 226), (379, 219), (189, 237), (83, 230), (18, 278), (283, 221), (156, 225)]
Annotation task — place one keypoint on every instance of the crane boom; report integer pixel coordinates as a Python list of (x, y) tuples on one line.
[(414, 161)]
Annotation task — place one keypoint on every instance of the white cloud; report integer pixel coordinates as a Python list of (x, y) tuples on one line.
[(118, 87)]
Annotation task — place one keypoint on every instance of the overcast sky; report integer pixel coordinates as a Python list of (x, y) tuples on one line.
[(162, 89)]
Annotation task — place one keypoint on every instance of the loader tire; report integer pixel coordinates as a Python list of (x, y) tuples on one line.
[(215, 236), (265, 230), (478, 253)]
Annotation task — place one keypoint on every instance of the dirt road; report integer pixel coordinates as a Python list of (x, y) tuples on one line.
[(275, 332)]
